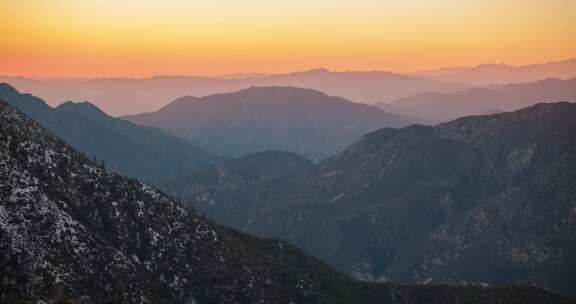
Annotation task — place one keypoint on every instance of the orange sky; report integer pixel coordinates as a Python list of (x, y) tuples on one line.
[(139, 38)]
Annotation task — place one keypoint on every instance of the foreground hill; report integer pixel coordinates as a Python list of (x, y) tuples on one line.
[(104, 238), (123, 96), (484, 100), (485, 199), (141, 152), (302, 121)]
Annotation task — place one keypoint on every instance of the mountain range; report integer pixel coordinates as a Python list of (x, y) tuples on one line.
[(483, 100), (124, 96), (482, 199), (127, 96), (486, 74), (142, 152), (69, 226), (303, 121)]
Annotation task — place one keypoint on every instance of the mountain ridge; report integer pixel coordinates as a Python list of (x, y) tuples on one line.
[(489, 73), (508, 97), (303, 121), (427, 204), (142, 152), (121, 96), (104, 238)]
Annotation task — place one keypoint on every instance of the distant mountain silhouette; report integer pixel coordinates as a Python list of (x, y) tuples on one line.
[(303, 121), (142, 152), (501, 73), (122, 96), (359, 86), (243, 75), (477, 101), (481, 199)]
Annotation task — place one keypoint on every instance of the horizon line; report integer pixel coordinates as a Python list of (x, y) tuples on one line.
[(247, 75)]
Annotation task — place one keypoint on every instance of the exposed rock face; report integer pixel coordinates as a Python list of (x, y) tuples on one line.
[(64, 221), (302, 121), (485, 199), (146, 153)]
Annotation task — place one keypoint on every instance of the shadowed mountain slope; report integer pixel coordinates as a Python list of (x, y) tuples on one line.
[(142, 152), (484, 199), (303, 121), (105, 238)]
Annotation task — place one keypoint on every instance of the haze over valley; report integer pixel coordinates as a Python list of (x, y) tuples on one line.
[(123, 96), (305, 152)]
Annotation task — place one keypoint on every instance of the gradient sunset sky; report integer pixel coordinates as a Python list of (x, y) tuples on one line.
[(130, 38)]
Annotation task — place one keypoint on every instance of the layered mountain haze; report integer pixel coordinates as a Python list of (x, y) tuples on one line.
[(122, 96), (485, 74), (484, 199), (303, 121), (360, 86), (483, 100), (103, 238), (141, 152), (288, 152)]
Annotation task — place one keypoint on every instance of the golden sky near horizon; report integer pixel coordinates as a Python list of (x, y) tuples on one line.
[(87, 38)]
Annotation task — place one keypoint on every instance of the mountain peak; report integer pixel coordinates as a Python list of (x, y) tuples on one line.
[(136, 151), (83, 107), (300, 120), (318, 71), (23, 102), (266, 90), (494, 66), (7, 88)]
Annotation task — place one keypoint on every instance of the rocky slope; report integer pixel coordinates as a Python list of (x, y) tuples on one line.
[(301, 121), (141, 152), (67, 223), (485, 199)]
